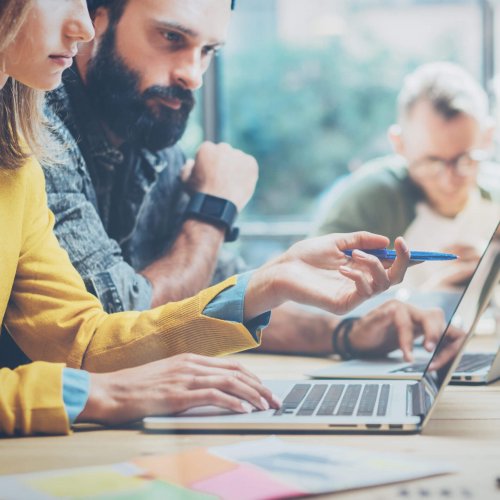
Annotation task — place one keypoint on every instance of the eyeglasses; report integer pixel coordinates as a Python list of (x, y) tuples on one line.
[(464, 165)]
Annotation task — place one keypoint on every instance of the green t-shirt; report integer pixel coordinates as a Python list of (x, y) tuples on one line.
[(380, 197)]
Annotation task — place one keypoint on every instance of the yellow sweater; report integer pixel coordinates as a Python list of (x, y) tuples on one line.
[(50, 315)]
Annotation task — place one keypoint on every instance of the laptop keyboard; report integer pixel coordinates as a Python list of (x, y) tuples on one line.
[(469, 363), (336, 399)]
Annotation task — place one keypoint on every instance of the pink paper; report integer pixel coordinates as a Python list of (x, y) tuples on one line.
[(246, 483)]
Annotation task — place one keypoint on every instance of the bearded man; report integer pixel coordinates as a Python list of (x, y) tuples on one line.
[(142, 226)]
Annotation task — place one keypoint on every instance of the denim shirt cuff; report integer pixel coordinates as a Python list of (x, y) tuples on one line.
[(229, 305), (76, 389)]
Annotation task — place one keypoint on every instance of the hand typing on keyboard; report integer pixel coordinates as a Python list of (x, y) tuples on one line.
[(174, 385), (448, 348), (395, 325)]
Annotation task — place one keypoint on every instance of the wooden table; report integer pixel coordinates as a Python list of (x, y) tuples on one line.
[(464, 430)]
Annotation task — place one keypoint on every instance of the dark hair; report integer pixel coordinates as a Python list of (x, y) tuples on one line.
[(117, 6)]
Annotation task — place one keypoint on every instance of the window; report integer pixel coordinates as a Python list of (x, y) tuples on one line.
[(309, 86)]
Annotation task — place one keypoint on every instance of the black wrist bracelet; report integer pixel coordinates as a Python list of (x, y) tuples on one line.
[(335, 339), (349, 352), (344, 327)]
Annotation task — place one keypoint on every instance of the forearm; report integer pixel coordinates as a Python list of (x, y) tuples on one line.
[(188, 266), (294, 329)]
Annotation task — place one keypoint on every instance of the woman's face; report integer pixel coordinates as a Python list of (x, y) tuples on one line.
[(47, 42)]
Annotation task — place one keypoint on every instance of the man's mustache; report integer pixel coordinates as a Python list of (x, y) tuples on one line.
[(173, 92)]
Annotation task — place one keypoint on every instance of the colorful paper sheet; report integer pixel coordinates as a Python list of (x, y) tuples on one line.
[(247, 470), (185, 468), (247, 483), (323, 469)]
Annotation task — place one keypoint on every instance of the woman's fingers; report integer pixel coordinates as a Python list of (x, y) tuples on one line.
[(213, 397), (363, 286), (398, 269), (223, 364), (236, 385), (361, 240), (228, 376), (378, 275), (370, 275)]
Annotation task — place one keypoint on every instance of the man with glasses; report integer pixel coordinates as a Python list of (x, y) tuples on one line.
[(428, 191)]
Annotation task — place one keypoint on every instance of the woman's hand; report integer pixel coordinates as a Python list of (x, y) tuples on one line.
[(318, 273), (171, 386)]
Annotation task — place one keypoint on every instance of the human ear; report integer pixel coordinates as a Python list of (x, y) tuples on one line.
[(395, 136), (488, 134), (100, 19)]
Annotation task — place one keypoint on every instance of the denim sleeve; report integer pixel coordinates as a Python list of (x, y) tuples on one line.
[(229, 306), (79, 229), (76, 387)]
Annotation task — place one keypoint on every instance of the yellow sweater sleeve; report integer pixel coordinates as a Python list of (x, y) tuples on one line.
[(31, 400), (53, 318)]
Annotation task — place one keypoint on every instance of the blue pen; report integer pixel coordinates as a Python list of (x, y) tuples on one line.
[(415, 255)]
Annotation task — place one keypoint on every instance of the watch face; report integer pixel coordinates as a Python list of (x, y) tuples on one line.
[(213, 207)]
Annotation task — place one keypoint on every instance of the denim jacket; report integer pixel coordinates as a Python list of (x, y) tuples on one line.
[(117, 209)]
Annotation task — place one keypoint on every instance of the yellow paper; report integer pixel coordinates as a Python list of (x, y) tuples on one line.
[(85, 483)]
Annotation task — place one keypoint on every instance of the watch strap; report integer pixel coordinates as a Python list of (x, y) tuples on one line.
[(214, 210)]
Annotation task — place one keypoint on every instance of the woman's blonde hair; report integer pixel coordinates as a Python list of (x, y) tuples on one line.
[(22, 129)]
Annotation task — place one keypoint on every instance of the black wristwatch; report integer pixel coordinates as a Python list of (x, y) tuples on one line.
[(214, 210)]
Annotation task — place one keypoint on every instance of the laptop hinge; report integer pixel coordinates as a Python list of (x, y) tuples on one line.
[(417, 401)]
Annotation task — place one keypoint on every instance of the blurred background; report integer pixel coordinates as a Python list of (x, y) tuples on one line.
[(309, 87)]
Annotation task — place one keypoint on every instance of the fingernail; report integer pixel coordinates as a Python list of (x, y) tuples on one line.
[(247, 407), (343, 268), (430, 346), (264, 403), (404, 246), (277, 401), (359, 254)]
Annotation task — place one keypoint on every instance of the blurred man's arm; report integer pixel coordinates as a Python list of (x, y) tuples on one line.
[(392, 325)]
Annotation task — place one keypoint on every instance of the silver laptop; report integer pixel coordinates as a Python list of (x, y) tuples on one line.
[(474, 367), (363, 405)]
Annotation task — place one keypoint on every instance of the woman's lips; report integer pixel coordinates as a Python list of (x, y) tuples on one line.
[(64, 60)]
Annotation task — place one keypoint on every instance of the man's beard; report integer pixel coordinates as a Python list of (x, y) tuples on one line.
[(114, 90)]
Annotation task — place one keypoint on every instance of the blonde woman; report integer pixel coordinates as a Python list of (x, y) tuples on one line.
[(93, 367)]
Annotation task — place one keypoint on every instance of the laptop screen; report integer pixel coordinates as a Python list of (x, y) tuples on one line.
[(466, 315)]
